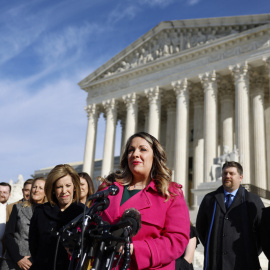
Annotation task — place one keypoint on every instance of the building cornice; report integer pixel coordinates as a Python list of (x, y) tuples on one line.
[(244, 22)]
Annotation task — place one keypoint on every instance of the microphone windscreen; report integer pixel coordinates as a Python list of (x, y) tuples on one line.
[(134, 217), (113, 190)]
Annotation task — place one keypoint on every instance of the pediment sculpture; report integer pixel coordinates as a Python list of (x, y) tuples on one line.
[(171, 41)]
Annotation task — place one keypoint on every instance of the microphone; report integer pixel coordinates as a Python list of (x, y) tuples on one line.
[(99, 205), (131, 218), (111, 190)]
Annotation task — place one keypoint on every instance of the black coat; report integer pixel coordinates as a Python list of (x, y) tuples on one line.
[(265, 233), (42, 243), (234, 241)]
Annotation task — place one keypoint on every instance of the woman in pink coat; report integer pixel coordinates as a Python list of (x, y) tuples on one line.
[(145, 184)]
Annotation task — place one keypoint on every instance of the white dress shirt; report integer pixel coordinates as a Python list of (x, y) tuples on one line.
[(3, 217)]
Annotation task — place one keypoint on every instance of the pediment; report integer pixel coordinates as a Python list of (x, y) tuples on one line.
[(172, 37)]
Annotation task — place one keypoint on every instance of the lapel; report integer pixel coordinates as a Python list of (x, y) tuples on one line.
[(140, 201), (112, 212), (220, 198), (237, 200), (27, 212)]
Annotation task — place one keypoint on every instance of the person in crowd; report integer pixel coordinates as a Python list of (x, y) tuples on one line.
[(87, 187), (26, 196), (265, 233), (145, 183), (228, 223), (17, 254), (185, 261), (62, 190), (5, 192)]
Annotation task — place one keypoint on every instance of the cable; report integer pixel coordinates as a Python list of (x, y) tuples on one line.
[(56, 251), (82, 234), (120, 257), (208, 239)]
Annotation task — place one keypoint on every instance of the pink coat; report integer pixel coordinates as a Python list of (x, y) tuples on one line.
[(164, 234)]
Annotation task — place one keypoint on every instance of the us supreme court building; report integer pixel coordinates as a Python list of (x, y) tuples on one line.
[(200, 86)]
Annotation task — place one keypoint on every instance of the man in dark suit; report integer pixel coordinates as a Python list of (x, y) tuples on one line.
[(265, 233), (26, 196), (228, 224)]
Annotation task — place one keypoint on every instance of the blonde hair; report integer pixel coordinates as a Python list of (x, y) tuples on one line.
[(161, 174), (30, 202), (54, 175)]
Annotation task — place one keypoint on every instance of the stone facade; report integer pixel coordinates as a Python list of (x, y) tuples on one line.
[(199, 86)]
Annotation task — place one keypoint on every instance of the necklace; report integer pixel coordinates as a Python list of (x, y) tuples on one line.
[(136, 186)]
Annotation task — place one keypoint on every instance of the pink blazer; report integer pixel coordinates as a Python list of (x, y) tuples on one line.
[(164, 234)]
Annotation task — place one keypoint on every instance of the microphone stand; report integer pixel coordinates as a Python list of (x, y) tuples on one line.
[(80, 252), (102, 240)]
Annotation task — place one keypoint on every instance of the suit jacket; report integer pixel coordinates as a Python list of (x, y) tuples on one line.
[(164, 233), (265, 233), (16, 236), (10, 206), (234, 241)]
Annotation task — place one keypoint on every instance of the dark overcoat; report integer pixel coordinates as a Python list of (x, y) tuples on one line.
[(42, 243), (234, 242), (265, 233)]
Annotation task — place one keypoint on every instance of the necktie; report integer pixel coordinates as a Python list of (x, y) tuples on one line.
[(228, 201)]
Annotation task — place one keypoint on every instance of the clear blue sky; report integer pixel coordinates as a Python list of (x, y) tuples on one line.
[(48, 46)]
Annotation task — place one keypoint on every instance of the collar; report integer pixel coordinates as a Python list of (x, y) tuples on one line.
[(232, 193), (151, 185), (141, 201)]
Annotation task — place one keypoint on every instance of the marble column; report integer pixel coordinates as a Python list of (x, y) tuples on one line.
[(141, 121), (123, 132), (146, 121), (208, 81), (163, 127), (267, 119), (226, 116), (267, 125), (181, 134), (110, 107), (170, 134), (198, 140), (90, 144), (242, 117), (153, 95), (259, 132), (132, 114)]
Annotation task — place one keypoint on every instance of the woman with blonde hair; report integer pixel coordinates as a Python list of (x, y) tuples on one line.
[(145, 183), (63, 193), (17, 229)]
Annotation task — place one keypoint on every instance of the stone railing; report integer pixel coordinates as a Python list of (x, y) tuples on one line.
[(259, 191)]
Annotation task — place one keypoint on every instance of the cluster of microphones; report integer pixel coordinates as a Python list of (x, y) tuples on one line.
[(91, 240)]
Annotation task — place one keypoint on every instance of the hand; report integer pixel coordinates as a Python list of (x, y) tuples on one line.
[(24, 263), (68, 251), (131, 249)]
